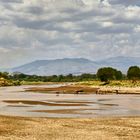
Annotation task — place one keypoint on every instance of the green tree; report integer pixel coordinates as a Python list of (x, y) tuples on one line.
[(133, 73), (107, 73), (60, 78), (87, 76), (118, 75)]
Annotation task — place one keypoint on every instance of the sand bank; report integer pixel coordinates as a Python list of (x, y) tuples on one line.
[(76, 89)]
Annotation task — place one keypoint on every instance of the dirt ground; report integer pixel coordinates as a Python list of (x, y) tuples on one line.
[(17, 128), (64, 89)]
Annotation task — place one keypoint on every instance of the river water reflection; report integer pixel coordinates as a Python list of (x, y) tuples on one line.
[(15, 102)]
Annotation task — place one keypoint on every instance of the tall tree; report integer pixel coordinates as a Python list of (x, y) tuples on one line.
[(133, 73), (107, 73)]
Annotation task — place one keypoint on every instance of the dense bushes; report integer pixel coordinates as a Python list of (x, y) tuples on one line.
[(6, 82), (53, 78)]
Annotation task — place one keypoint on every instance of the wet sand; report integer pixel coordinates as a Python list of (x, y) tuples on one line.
[(17, 128)]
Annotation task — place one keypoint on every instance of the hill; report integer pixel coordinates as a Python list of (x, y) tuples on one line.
[(75, 65), (58, 66)]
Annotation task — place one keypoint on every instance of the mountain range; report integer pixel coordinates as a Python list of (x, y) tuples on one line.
[(75, 65)]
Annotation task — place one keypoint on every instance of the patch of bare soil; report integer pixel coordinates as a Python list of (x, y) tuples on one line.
[(64, 90)]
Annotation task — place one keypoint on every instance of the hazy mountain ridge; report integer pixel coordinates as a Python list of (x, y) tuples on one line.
[(75, 65), (58, 66)]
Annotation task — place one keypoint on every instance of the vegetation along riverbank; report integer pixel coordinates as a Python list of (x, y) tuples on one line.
[(106, 80)]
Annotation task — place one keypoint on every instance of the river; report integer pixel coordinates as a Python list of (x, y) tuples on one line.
[(14, 101)]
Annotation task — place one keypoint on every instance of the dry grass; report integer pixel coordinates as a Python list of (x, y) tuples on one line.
[(118, 83), (14, 128)]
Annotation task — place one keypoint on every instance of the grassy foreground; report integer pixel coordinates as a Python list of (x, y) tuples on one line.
[(16, 128), (114, 83)]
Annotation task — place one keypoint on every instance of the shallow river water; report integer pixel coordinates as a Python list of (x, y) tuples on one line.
[(15, 102)]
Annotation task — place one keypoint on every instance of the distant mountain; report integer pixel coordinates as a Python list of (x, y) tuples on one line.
[(75, 65), (58, 66)]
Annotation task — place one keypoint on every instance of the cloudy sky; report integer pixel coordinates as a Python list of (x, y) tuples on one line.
[(50, 29)]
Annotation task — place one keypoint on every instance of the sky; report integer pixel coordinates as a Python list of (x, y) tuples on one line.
[(51, 29)]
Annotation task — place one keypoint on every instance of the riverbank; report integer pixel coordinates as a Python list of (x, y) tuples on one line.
[(119, 128), (85, 87)]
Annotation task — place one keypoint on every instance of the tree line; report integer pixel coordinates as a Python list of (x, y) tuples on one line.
[(54, 78), (104, 74), (108, 73)]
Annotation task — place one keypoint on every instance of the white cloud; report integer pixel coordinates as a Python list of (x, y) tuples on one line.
[(49, 29)]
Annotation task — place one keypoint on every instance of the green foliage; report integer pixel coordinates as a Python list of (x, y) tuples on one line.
[(53, 78), (107, 73), (118, 75), (6, 80), (133, 73), (4, 75), (104, 74)]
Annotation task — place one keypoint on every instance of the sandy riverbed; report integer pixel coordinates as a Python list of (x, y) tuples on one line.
[(14, 101), (16, 128), (101, 126)]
